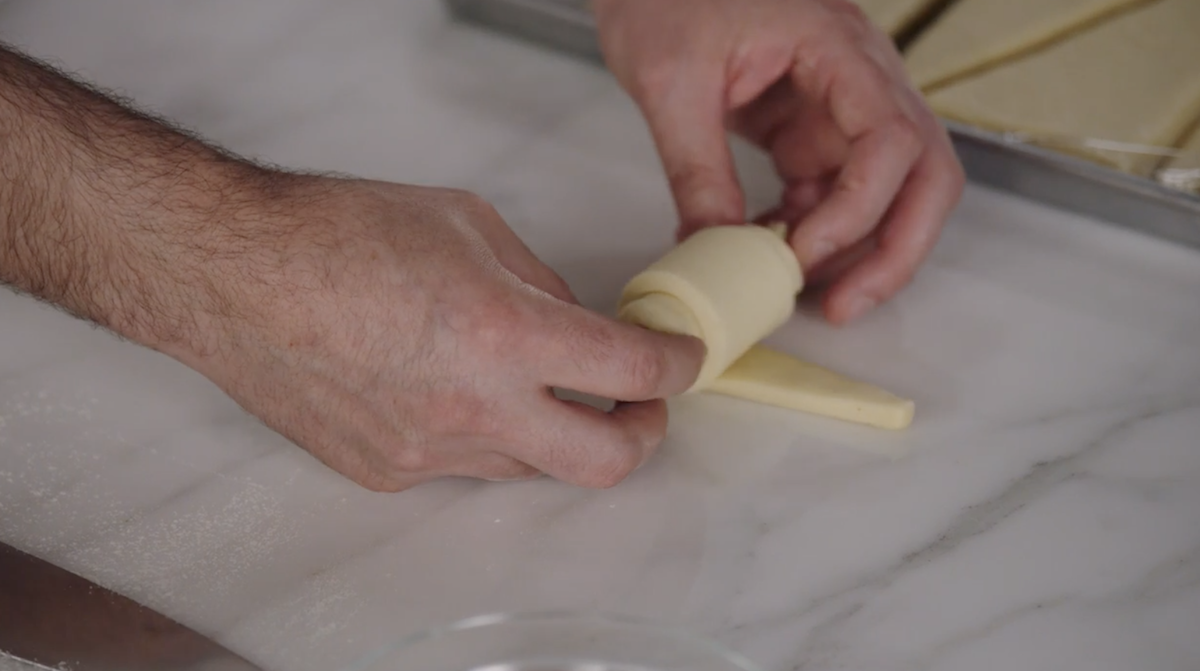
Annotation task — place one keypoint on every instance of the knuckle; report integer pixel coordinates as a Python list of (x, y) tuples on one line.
[(590, 347), (904, 132), (813, 61), (852, 182), (643, 370), (410, 458), (613, 469)]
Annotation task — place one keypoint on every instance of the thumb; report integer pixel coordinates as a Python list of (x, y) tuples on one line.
[(687, 121)]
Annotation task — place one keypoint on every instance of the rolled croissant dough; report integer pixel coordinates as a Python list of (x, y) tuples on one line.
[(731, 286), (974, 34), (894, 16), (1134, 79)]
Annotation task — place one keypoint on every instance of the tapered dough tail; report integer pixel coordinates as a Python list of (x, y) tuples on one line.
[(765, 376)]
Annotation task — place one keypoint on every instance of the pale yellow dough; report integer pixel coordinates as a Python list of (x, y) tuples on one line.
[(1132, 79), (731, 286), (894, 16), (770, 377), (974, 34)]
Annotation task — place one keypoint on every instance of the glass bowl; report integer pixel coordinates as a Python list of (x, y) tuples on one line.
[(554, 642)]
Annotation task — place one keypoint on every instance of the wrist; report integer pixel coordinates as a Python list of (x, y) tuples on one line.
[(169, 255), (211, 268), (97, 201)]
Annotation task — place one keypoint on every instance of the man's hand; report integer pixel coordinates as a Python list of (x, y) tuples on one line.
[(397, 333), (870, 174), (403, 333)]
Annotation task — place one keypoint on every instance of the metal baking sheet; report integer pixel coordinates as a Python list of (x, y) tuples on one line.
[(989, 158)]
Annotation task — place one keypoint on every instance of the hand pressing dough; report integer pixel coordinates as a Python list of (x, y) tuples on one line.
[(731, 286), (1134, 78), (894, 16), (976, 34), (767, 376)]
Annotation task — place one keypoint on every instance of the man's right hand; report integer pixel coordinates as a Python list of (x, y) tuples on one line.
[(402, 333)]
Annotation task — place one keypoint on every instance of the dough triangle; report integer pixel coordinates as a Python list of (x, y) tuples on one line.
[(974, 34), (1132, 79), (765, 376)]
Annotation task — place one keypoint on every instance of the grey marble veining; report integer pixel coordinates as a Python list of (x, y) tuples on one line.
[(1045, 514)]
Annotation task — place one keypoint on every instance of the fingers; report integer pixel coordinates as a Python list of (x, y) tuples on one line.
[(839, 265), (567, 440), (494, 467), (586, 352), (906, 237), (898, 185), (585, 447), (397, 465), (803, 140), (884, 145), (686, 115)]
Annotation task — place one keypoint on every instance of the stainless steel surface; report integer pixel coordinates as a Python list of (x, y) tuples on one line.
[(565, 25), (54, 618), (1078, 185), (1038, 174)]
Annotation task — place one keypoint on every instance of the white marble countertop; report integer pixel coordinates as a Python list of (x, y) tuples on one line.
[(1047, 515)]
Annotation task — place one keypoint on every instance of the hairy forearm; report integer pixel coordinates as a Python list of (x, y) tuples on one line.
[(109, 213)]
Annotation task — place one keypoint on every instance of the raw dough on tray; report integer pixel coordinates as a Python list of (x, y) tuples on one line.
[(1132, 79), (1191, 152), (894, 16), (975, 34)]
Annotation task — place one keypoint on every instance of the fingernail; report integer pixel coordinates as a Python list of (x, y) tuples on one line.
[(858, 306)]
